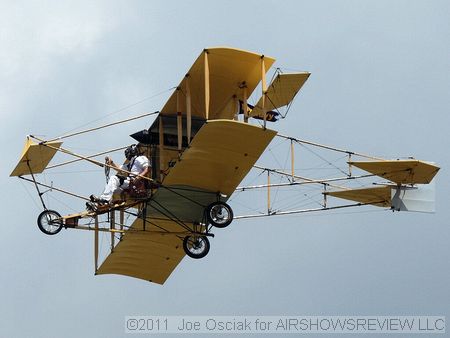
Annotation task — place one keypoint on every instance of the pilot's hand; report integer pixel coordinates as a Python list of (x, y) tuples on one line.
[(108, 160)]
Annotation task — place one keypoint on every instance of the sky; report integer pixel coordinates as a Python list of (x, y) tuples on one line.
[(380, 77)]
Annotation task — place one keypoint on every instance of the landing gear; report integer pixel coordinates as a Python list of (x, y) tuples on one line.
[(196, 246), (219, 214), (49, 222)]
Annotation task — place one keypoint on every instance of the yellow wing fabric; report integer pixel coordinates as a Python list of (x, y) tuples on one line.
[(36, 157), (150, 255), (400, 171), (220, 156), (281, 92), (378, 196), (230, 70)]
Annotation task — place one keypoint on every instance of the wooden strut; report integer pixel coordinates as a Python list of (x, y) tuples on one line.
[(112, 226), (292, 161), (118, 231), (179, 123), (236, 105), (121, 220), (349, 165), (322, 181), (268, 191), (291, 212), (264, 89), (310, 180), (161, 148), (96, 244), (206, 65), (188, 110), (245, 105), (36, 185), (144, 216)]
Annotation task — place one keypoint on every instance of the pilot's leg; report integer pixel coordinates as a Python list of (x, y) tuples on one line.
[(112, 185)]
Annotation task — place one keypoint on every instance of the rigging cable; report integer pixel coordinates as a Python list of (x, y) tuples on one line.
[(121, 109), (330, 148), (323, 158), (97, 128)]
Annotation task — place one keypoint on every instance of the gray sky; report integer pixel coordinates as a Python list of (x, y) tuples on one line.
[(379, 85)]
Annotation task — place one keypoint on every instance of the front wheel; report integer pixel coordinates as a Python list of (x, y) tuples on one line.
[(49, 222), (196, 246), (219, 214)]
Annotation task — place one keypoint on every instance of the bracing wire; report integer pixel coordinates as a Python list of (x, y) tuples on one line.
[(30, 195), (280, 179), (119, 110), (322, 158), (331, 213), (62, 203), (305, 197), (314, 144), (96, 128)]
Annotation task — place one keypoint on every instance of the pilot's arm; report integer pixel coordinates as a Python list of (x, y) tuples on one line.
[(119, 169), (144, 172)]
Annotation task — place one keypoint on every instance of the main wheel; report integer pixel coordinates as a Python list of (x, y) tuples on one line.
[(49, 222), (219, 214), (196, 246)]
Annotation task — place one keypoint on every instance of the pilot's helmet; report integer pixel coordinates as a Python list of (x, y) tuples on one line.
[(131, 151)]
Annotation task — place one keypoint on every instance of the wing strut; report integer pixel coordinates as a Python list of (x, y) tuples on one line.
[(206, 84), (96, 244), (36, 185), (188, 110), (264, 90)]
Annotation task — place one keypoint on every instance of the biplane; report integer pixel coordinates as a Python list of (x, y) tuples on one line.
[(202, 144)]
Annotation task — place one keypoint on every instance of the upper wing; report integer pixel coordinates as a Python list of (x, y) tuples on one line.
[(35, 157), (229, 70)]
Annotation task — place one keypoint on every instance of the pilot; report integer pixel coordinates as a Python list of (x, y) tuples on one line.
[(138, 164)]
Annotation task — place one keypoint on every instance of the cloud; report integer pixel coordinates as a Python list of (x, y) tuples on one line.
[(34, 36)]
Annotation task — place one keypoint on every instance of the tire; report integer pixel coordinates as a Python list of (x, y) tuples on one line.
[(47, 224), (196, 246), (219, 214)]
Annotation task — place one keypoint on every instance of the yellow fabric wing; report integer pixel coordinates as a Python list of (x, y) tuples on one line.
[(229, 70), (35, 157), (150, 255), (220, 156), (400, 171), (281, 92), (378, 196)]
